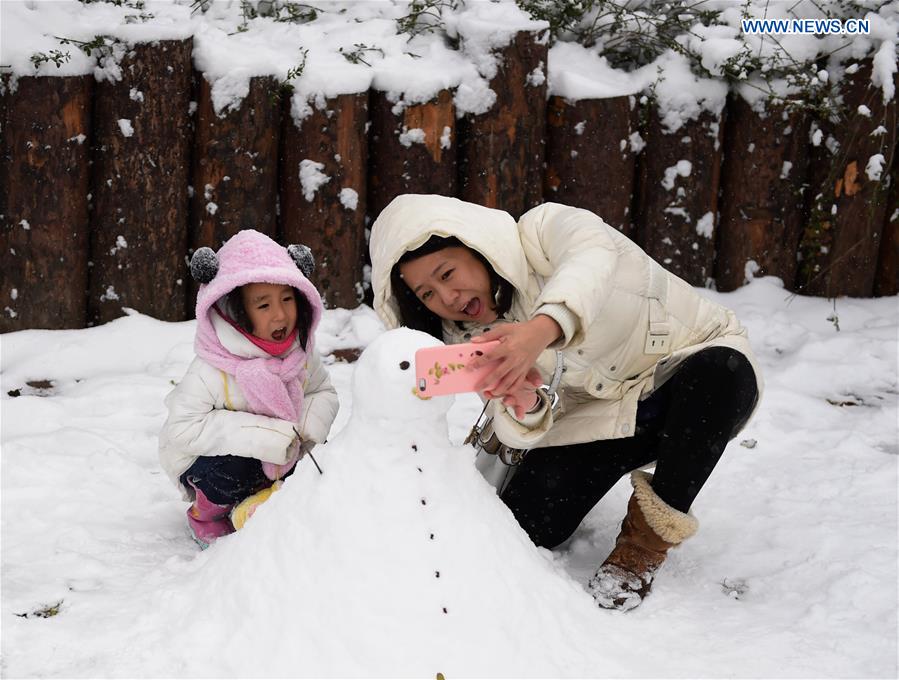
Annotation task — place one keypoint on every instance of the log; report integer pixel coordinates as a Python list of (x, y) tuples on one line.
[(761, 194), (841, 241), (886, 281), (590, 157), (677, 195), (235, 167), (139, 177), (323, 193), (412, 149), (44, 174), (501, 152)]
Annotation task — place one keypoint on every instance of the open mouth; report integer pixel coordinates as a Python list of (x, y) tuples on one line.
[(473, 308), (279, 334)]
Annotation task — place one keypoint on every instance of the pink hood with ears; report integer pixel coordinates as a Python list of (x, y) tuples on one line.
[(272, 385)]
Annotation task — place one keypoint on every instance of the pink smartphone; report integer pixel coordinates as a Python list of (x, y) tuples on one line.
[(441, 370)]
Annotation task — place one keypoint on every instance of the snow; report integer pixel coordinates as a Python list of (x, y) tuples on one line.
[(408, 137), (312, 177), (125, 127), (705, 225), (349, 198), (577, 72), (874, 168), (637, 142), (682, 168), (793, 572), (352, 46)]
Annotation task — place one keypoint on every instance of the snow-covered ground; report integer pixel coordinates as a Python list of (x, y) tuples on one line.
[(792, 574)]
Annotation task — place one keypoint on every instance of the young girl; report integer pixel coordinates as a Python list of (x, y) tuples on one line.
[(647, 369), (256, 397)]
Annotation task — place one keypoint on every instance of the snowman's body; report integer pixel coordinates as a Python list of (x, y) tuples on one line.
[(400, 540)]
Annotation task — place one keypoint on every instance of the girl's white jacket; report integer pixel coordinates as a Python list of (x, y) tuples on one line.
[(627, 322), (208, 414)]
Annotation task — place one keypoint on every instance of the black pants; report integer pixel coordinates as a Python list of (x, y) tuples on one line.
[(226, 480), (683, 426)]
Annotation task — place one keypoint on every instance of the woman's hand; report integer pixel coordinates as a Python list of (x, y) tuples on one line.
[(525, 399), (520, 345)]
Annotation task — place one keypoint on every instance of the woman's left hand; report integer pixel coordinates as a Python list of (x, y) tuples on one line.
[(526, 399), (516, 354)]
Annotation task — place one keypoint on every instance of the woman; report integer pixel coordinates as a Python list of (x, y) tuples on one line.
[(650, 371)]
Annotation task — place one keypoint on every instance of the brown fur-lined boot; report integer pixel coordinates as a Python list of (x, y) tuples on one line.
[(649, 529)]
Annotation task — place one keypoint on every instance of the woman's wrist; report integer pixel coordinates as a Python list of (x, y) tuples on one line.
[(538, 403), (548, 329)]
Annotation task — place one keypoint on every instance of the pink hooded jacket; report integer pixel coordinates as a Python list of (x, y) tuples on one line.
[(235, 398)]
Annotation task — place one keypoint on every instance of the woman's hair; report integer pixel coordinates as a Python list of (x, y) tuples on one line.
[(414, 314), (242, 319)]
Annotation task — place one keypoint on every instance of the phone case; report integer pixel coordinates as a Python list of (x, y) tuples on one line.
[(441, 370)]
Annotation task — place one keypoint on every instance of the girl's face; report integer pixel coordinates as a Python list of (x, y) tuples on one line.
[(272, 308), (453, 284)]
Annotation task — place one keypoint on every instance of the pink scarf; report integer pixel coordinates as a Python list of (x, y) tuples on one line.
[(273, 386)]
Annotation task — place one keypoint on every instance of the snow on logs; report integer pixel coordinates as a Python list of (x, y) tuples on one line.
[(330, 170), (677, 194), (841, 241), (761, 193), (323, 195), (413, 149), (501, 151), (234, 175), (591, 151), (140, 172), (44, 175)]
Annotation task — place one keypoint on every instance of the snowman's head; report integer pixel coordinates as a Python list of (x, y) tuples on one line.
[(384, 379)]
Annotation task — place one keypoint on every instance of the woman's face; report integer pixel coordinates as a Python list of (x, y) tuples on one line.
[(272, 309), (453, 284)]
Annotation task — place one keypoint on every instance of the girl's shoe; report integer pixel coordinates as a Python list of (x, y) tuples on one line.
[(207, 521), (245, 509)]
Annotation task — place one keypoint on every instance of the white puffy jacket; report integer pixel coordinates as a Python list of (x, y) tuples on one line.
[(627, 322), (208, 414)]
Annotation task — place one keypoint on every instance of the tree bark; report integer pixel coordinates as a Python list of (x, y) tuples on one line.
[(501, 151), (761, 195), (841, 240), (590, 161), (44, 175), (323, 193), (412, 149), (677, 197), (138, 183), (886, 282)]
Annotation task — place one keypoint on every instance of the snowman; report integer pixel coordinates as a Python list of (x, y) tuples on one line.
[(399, 559)]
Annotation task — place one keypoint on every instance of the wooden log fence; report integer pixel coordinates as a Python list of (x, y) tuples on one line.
[(139, 179), (235, 167), (501, 151), (840, 244), (677, 195), (133, 148), (886, 281), (416, 149), (761, 195), (44, 174), (323, 194), (591, 156)]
